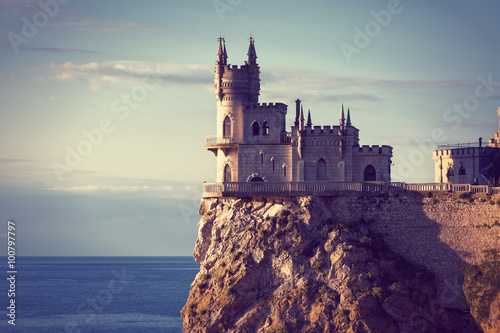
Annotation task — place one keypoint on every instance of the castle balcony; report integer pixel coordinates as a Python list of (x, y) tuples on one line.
[(214, 143), (333, 188), (285, 137)]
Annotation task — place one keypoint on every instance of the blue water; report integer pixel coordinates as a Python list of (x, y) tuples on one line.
[(98, 294)]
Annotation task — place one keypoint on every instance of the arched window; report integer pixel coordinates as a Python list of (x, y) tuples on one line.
[(321, 169), (450, 174), (227, 173), (272, 160), (227, 127), (462, 175), (257, 179), (265, 127), (370, 175), (255, 128), (284, 170)]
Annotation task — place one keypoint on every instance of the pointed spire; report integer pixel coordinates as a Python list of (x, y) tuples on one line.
[(309, 122), (297, 111), (348, 121), (301, 118), (224, 52), (342, 118), (220, 51), (252, 55)]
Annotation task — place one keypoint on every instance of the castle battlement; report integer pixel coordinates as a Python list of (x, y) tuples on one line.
[(328, 130), (466, 152), (375, 149), (265, 107)]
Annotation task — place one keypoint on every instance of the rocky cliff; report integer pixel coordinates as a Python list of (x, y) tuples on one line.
[(292, 265)]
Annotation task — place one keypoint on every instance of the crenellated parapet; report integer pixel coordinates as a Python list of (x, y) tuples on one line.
[(464, 152), (371, 150), (266, 108)]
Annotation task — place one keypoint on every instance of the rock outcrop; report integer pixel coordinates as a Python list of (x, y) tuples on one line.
[(285, 265), (482, 291)]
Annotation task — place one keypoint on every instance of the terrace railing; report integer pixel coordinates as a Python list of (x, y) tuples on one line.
[(248, 189)]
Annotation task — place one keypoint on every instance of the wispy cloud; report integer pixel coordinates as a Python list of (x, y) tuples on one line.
[(88, 24), (60, 49), (116, 189), (481, 122), (126, 71), (9, 6), (289, 83)]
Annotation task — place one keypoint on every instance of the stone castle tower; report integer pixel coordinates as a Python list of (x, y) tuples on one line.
[(252, 143)]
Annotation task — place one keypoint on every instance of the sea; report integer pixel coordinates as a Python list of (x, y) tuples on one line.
[(96, 294)]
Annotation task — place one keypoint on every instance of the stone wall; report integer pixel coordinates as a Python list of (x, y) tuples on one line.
[(443, 233)]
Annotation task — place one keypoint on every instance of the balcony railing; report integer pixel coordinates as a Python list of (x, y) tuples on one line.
[(248, 189), (217, 140), (459, 145)]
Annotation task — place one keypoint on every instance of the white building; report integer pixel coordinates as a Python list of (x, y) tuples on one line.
[(252, 143), (466, 163)]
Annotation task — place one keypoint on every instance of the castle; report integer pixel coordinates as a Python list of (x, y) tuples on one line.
[(253, 145), (467, 163)]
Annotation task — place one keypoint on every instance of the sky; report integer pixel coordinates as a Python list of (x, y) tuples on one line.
[(105, 105)]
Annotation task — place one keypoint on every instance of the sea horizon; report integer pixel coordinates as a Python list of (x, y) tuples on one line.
[(99, 293)]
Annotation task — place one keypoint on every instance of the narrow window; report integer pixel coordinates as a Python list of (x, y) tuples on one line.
[(265, 127), (272, 160), (370, 175), (321, 169), (284, 170), (255, 128), (462, 175), (227, 173), (227, 127), (261, 153), (450, 174)]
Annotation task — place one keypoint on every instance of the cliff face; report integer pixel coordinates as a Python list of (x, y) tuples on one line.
[(291, 265)]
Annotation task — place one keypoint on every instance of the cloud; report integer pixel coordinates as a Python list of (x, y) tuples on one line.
[(481, 122), (113, 189), (60, 49), (317, 80), (88, 24), (128, 71), (50, 99), (9, 6)]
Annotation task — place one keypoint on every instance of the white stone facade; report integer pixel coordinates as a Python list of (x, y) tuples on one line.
[(466, 163), (252, 143)]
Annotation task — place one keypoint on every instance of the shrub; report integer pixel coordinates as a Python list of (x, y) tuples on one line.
[(484, 283), (435, 201), (378, 293), (318, 265), (498, 201)]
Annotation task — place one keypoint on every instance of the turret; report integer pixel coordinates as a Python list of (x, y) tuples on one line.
[(237, 85), (252, 55), (224, 52), (301, 119), (309, 122), (342, 119), (297, 111), (348, 122)]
